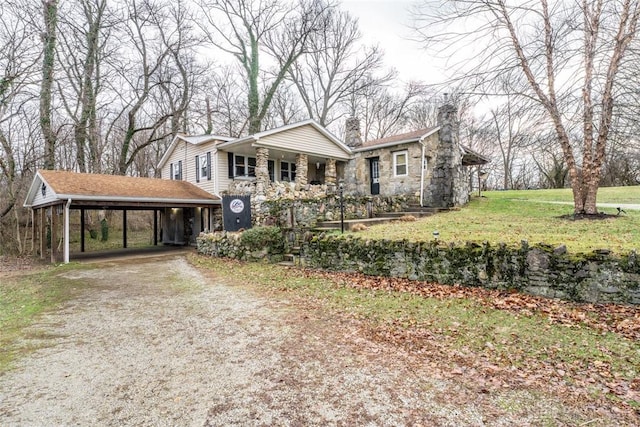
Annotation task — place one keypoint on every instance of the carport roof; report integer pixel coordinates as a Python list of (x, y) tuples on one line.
[(85, 189)]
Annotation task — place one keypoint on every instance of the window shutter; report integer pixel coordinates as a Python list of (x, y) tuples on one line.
[(231, 166), (180, 170), (171, 171), (209, 165), (197, 168)]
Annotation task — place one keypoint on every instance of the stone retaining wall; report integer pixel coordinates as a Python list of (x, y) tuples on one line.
[(541, 270)]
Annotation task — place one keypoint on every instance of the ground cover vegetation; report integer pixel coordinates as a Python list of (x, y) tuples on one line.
[(512, 216), (584, 354), (25, 296)]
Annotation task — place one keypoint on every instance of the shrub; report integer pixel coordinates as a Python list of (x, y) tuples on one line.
[(263, 237)]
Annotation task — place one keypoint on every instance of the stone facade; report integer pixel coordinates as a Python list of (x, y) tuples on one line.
[(449, 181), (352, 135), (302, 169), (358, 179)]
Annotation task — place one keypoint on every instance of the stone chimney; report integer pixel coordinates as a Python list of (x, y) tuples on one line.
[(352, 135), (448, 185)]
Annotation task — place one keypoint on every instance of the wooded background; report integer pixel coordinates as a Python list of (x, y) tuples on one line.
[(548, 91)]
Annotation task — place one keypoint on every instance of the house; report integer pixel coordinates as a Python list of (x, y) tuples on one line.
[(298, 154), (300, 160), (428, 165)]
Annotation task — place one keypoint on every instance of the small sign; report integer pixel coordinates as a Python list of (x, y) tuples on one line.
[(236, 206), (236, 212)]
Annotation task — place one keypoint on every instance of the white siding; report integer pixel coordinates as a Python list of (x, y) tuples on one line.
[(186, 152), (222, 171), (304, 139), (43, 200)]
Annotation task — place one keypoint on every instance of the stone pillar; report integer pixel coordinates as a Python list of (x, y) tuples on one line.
[(302, 166), (352, 134), (330, 174), (446, 186), (262, 171)]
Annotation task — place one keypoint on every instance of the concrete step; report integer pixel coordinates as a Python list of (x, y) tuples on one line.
[(417, 214), (348, 223)]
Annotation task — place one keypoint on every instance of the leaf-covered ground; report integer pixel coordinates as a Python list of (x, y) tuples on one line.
[(585, 355), (592, 362)]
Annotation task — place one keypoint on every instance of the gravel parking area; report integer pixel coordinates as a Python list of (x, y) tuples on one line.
[(154, 342)]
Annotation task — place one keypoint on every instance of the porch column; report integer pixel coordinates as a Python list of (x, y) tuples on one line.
[(302, 166), (262, 171), (330, 174)]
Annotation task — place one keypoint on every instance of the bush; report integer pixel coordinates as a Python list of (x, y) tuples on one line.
[(263, 237)]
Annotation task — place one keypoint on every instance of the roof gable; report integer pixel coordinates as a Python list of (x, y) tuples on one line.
[(191, 139), (307, 136), (402, 138)]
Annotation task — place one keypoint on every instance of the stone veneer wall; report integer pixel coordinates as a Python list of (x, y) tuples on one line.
[(539, 270)]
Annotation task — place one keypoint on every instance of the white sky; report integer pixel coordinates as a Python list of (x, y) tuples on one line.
[(387, 23)]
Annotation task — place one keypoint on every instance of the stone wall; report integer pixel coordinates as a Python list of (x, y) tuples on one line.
[(305, 212), (358, 179), (540, 270)]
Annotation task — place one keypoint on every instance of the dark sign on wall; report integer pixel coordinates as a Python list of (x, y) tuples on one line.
[(236, 212)]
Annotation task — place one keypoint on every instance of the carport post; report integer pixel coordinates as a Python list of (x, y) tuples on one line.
[(54, 234), (155, 227), (42, 231), (81, 229), (124, 228)]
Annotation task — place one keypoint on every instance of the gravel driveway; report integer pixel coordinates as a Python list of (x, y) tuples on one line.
[(155, 342)]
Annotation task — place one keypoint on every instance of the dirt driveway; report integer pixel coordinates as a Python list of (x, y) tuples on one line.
[(155, 342)]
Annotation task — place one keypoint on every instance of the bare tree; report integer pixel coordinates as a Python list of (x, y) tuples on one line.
[(82, 50), (569, 53), (50, 17), (335, 68), (249, 31)]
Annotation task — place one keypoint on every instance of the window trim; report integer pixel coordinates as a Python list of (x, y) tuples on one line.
[(397, 154), (202, 162), (176, 171), (249, 168), (290, 170)]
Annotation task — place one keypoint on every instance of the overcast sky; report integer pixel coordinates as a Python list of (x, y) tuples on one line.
[(387, 23)]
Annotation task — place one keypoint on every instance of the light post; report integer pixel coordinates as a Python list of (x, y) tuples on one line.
[(482, 176), (341, 190)]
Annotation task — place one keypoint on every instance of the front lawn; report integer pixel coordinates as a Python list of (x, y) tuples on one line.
[(512, 216)]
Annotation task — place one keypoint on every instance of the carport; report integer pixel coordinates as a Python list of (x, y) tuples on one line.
[(53, 194)]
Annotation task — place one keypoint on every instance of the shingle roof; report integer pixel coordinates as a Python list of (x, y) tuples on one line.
[(112, 187), (403, 137)]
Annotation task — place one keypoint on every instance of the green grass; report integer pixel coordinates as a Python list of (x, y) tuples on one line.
[(22, 299), (461, 325), (512, 216)]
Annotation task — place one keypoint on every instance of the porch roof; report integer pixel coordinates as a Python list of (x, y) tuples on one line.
[(97, 190)]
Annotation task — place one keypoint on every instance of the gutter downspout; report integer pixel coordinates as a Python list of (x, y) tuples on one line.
[(422, 173), (66, 231)]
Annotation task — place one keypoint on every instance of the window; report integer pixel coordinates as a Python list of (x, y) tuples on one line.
[(400, 163), (244, 166), (203, 166), (176, 170), (287, 171)]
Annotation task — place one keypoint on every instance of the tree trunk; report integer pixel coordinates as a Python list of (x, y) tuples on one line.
[(50, 14)]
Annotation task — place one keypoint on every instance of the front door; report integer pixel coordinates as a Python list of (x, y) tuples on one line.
[(374, 173)]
